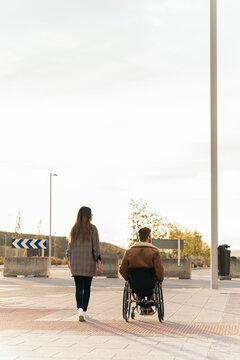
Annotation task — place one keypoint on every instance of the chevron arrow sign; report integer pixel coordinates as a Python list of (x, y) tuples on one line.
[(29, 243)]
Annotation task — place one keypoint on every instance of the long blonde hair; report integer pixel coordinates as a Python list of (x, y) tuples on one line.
[(82, 224)]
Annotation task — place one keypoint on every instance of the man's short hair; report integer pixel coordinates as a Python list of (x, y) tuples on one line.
[(143, 233)]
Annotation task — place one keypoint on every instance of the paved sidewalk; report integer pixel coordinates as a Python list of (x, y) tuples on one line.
[(38, 319)]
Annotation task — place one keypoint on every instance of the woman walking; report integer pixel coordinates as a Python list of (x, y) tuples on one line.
[(83, 257)]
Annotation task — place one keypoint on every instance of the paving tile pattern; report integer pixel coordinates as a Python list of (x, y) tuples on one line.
[(65, 345), (31, 319), (38, 320)]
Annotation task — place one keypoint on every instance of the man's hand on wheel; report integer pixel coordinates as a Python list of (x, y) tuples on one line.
[(161, 284)]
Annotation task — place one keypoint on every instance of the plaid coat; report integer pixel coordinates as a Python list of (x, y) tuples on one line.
[(83, 254)]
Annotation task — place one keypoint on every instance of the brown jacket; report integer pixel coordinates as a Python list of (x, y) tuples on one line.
[(142, 254)]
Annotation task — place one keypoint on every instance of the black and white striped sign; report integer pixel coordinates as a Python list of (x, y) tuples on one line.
[(29, 243)]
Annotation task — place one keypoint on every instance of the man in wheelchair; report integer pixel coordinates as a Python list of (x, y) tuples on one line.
[(142, 266)]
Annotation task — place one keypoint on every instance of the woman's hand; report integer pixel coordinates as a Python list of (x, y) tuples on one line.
[(99, 267)]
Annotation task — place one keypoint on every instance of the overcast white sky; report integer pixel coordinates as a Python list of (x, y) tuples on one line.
[(113, 96)]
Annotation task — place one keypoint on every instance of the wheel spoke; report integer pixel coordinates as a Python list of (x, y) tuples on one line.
[(127, 302)]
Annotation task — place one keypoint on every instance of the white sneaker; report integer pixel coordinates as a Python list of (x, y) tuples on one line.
[(85, 315), (80, 314)]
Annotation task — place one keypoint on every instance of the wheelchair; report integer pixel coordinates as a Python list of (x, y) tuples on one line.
[(141, 290)]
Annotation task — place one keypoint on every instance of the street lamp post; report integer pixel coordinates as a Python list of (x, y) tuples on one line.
[(50, 221), (214, 149), (5, 247)]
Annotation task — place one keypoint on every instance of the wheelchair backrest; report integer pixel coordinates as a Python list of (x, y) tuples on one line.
[(142, 280)]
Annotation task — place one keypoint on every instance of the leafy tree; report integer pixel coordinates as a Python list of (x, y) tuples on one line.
[(158, 226), (138, 218), (206, 251), (174, 231), (193, 244), (197, 244), (18, 226), (39, 235), (57, 248), (141, 217), (18, 231), (36, 252)]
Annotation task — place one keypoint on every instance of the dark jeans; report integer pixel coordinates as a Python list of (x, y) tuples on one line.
[(83, 286)]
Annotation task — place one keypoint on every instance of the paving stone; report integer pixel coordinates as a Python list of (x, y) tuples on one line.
[(7, 356), (159, 356), (188, 356), (18, 347), (195, 318), (200, 346), (220, 355)]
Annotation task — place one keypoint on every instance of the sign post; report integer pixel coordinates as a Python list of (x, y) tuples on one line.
[(168, 243), (178, 252)]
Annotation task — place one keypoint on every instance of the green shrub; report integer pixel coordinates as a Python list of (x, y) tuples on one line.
[(65, 261), (53, 261)]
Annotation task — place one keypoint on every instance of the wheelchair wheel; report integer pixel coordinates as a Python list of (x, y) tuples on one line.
[(159, 301), (126, 307)]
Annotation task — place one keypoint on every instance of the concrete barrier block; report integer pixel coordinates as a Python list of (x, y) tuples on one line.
[(235, 268), (171, 268), (26, 266), (110, 266)]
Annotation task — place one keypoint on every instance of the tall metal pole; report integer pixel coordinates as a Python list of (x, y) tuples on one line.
[(5, 247), (179, 253), (50, 221), (214, 148), (50, 224)]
